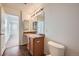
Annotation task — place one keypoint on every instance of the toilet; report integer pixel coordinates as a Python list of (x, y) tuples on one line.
[(55, 49)]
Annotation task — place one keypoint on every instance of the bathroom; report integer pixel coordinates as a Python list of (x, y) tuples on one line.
[(56, 24)]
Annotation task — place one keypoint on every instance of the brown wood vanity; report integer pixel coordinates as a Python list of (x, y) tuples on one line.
[(35, 44)]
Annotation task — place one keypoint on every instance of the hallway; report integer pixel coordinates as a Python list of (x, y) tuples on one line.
[(12, 31), (13, 41)]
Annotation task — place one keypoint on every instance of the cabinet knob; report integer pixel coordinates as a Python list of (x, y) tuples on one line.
[(38, 41)]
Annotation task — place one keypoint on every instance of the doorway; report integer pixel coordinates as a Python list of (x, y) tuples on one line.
[(12, 30)]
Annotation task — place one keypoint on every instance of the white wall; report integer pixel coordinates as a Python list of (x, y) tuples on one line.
[(3, 41), (21, 42), (62, 25)]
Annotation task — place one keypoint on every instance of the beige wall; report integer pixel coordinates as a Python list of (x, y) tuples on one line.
[(62, 25)]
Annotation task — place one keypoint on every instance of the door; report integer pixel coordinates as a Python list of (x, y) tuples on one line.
[(12, 30)]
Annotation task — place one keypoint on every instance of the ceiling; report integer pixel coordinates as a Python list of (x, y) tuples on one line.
[(27, 8)]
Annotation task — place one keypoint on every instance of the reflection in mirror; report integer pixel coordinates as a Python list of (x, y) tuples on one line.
[(26, 25), (39, 24), (35, 25)]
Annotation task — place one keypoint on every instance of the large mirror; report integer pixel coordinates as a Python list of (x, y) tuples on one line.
[(39, 24)]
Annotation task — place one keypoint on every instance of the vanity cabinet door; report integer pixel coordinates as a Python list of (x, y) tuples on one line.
[(39, 46)]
